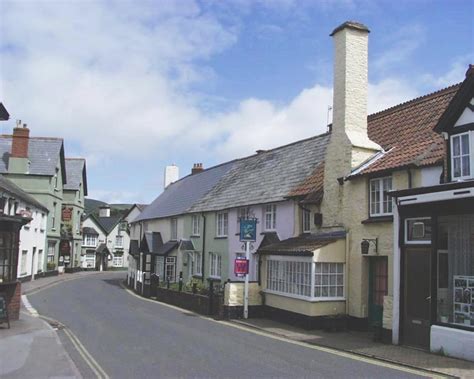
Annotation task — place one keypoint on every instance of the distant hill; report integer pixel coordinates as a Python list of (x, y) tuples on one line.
[(92, 206)]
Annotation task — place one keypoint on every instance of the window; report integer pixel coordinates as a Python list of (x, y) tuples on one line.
[(289, 277), (51, 251), (78, 222), (380, 202), (174, 229), (197, 263), (215, 265), (306, 221), (329, 280), (295, 278), (461, 156), (270, 217), (221, 224), (56, 176), (90, 240), (170, 269), (118, 241), (90, 259), (24, 256), (196, 225), (242, 214), (40, 260), (418, 230), (43, 222), (117, 261), (53, 218)]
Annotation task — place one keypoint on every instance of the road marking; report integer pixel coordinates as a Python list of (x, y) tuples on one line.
[(353, 356), (86, 356), (28, 306)]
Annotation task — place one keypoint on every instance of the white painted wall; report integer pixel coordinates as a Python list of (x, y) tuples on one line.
[(88, 222), (452, 342), (430, 176), (466, 117)]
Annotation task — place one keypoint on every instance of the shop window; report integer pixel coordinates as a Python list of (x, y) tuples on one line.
[(289, 277), (455, 282)]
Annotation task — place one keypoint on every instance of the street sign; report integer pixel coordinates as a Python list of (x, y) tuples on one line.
[(241, 266), (248, 230)]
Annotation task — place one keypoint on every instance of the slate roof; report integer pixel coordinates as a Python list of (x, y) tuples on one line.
[(43, 153), (186, 245), (167, 248), (406, 133), (4, 115), (151, 242), (75, 174), (108, 223), (10, 187), (179, 196), (266, 177), (303, 245)]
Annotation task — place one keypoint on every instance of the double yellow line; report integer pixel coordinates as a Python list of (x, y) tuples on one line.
[(88, 358)]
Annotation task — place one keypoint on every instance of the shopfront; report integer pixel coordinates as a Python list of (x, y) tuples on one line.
[(435, 254)]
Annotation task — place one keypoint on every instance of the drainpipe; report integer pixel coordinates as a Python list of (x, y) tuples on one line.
[(396, 274), (347, 273), (203, 247), (410, 180)]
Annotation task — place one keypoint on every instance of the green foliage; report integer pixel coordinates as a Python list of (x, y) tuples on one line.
[(50, 266)]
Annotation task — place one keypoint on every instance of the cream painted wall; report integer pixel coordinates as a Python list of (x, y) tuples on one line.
[(318, 308)]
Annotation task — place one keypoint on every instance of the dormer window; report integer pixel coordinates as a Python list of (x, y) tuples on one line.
[(461, 157)]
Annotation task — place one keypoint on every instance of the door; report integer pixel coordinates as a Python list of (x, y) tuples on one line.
[(378, 288), (417, 297)]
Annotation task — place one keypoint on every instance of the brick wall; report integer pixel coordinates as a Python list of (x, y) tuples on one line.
[(12, 292)]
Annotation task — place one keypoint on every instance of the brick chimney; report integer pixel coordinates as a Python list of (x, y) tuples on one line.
[(197, 167), (20, 140)]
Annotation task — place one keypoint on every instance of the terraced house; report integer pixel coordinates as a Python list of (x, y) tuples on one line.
[(328, 234)]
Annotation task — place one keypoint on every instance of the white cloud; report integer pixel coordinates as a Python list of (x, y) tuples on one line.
[(454, 74)]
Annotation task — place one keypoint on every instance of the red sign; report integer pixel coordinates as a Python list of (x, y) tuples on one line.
[(241, 266), (67, 214)]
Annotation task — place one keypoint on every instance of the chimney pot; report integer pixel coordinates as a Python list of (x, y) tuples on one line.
[(20, 141), (197, 167)]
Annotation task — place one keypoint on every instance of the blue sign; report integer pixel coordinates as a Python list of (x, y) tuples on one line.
[(248, 230)]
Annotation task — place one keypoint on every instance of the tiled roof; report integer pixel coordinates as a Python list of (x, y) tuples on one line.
[(107, 223), (186, 245), (88, 230), (151, 242), (406, 133), (179, 196), (75, 173), (43, 153), (312, 187), (167, 248), (265, 177), (305, 244), (7, 185)]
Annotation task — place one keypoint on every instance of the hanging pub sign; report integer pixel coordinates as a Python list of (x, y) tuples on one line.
[(241, 266), (248, 230), (66, 214)]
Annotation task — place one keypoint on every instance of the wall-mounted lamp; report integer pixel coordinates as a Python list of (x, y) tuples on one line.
[(365, 244)]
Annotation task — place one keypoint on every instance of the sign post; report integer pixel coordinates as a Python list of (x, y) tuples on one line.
[(248, 233)]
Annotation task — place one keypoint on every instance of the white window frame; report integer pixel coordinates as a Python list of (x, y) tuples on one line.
[(329, 285), (381, 197), (117, 261), (415, 242), (197, 263), (39, 262), (170, 262), (174, 229), (222, 224), (51, 251), (306, 221), (196, 225), (119, 237), (269, 217), (24, 259), (90, 240), (312, 297), (215, 265), (470, 135)]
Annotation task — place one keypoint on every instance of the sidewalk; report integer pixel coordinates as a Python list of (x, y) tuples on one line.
[(361, 343), (31, 349)]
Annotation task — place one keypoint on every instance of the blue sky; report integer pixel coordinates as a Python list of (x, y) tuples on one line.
[(134, 86)]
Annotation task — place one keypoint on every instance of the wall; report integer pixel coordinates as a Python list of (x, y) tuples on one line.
[(234, 294), (452, 342)]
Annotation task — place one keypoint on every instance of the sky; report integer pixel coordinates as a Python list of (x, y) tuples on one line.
[(134, 86)]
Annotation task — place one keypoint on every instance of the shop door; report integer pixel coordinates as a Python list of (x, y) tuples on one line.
[(417, 297), (378, 288)]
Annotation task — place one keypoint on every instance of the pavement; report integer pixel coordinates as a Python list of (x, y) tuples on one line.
[(362, 343), (31, 348)]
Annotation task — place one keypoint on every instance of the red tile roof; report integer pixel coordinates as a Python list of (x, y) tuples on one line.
[(312, 185)]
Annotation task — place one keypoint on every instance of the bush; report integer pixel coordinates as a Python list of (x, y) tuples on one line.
[(50, 266)]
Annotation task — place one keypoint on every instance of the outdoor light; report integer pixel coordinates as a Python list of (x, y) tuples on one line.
[(365, 244)]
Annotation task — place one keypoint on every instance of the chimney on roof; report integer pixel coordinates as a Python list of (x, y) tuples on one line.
[(171, 175), (350, 85), (260, 151), (470, 70), (197, 167), (20, 140), (104, 211)]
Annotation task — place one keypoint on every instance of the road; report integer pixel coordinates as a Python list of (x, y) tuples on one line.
[(133, 338)]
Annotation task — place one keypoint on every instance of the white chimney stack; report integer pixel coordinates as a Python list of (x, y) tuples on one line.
[(351, 84), (171, 175)]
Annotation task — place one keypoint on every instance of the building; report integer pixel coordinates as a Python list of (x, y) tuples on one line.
[(433, 247)]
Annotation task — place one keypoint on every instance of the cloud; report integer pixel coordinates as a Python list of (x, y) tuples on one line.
[(454, 74)]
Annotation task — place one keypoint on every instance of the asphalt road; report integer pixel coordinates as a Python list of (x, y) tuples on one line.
[(133, 338)]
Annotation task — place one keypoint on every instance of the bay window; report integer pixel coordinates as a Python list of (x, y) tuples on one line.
[(90, 240), (380, 202), (305, 279)]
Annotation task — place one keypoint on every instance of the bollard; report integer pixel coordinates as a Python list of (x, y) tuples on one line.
[(168, 282), (194, 288), (180, 283)]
